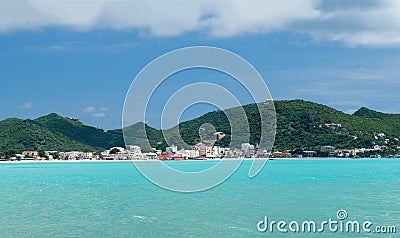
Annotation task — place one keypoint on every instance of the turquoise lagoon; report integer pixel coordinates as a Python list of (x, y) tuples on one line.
[(112, 199)]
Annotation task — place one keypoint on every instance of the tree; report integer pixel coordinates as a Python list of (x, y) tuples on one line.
[(56, 155), (10, 153), (42, 153)]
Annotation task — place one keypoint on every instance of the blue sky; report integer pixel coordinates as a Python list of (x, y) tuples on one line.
[(79, 60)]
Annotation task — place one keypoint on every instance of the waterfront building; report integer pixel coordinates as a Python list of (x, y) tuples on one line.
[(248, 150), (31, 154), (173, 149), (328, 150)]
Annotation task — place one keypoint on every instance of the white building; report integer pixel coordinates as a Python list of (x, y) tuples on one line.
[(133, 149), (150, 156), (212, 152), (191, 154), (89, 156), (72, 155), (173, 149), (105, 153), (248, 150), (135, 152), (225, 152), (31, 154)]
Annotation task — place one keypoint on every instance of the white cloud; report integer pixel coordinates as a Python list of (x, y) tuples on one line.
[(100, 115), (358, 22), (385, 75), (27, 105), (367, 22), (90, 109), (234, 17), (362, 76), (96, 112)]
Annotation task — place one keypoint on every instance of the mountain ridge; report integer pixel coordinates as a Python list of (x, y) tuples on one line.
[(300, 125)]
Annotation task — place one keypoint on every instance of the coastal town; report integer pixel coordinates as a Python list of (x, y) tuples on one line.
[(201, 151)]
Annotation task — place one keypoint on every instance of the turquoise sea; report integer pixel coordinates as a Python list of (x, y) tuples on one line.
[(112, 199)]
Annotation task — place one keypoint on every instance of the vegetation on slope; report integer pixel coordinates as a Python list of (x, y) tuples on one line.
[(53, 132), (300, 125)]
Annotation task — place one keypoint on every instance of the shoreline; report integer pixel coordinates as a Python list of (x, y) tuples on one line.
[(226, 159)]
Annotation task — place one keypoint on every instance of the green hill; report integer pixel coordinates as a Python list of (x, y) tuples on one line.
[(53, 132), (305, 125), (368, 113), (19, 135), (152, 136), (77, 131), (300, 125)]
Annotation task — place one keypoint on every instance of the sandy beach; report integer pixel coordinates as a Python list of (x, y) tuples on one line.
[(121, 161)]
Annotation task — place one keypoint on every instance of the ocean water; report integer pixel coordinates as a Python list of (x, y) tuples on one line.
[(112, 199)]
